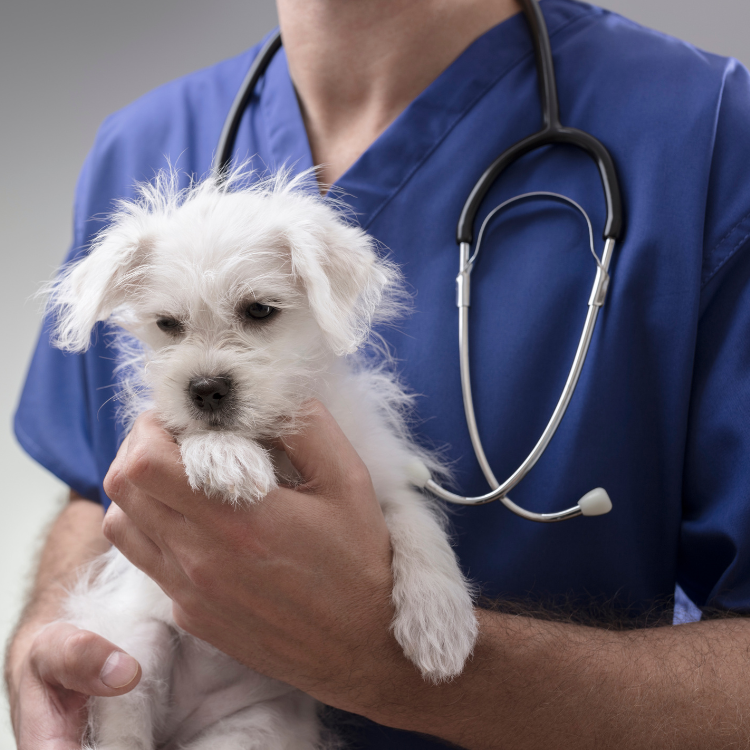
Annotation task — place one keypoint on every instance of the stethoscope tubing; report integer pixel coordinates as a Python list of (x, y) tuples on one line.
[(552, 132), (223, 156)]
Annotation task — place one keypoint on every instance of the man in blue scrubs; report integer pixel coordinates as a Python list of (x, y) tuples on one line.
[(406, 102)]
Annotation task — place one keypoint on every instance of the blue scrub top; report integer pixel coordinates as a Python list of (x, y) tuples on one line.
[(661, 417)]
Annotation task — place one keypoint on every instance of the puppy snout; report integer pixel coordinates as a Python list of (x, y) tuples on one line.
[(209, 394)]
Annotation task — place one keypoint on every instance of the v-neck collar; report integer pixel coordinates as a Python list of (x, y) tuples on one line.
[(389, 162)]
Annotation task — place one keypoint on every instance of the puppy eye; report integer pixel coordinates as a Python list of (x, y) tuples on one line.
[(258, 311), (170, 325)]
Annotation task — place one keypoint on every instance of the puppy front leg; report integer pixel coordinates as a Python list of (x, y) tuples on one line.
[(131, 721), (434, 622), (228, 465)]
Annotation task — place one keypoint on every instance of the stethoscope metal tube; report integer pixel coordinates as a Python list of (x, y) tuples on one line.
[(500, 491)]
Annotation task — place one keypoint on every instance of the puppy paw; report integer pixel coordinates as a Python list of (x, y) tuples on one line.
[(436, 627), (227, 465), (434, 621)]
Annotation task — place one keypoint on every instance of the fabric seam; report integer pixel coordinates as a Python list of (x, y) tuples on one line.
[(731, 253), (729, 232)]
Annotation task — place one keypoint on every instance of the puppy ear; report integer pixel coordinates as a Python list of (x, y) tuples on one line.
[(88, 290), (348, 286)]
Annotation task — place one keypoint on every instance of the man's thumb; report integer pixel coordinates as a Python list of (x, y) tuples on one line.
[(80, 660), (321, 451)]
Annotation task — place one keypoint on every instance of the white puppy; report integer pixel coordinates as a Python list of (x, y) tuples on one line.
[(237, 303)]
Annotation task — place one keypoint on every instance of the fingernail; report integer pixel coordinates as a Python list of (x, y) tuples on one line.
[(119, 670)]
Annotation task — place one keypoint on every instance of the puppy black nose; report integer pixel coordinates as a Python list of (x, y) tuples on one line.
[(209, 394)]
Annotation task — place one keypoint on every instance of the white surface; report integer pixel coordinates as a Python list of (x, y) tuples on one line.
[(64, 65)]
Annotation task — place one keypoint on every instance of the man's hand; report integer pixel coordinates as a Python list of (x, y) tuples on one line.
[(296, 586), (51, 685), (52, 667)]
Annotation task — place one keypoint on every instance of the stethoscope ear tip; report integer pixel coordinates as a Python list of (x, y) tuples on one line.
[(595, 503)]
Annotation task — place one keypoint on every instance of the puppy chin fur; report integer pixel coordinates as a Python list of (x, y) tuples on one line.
[(200, 257)]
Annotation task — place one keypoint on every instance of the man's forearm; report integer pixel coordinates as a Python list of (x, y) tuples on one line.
[(74, 539), (538, 684)]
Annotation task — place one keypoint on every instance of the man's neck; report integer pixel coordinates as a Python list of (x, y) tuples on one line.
[(356, 64)]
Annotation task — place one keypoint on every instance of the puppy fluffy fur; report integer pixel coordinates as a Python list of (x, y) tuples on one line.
[(266, 286)]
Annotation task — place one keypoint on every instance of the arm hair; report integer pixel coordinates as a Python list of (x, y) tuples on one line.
[(74, 539)]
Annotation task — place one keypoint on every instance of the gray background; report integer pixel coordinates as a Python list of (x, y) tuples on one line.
[(65, 65)]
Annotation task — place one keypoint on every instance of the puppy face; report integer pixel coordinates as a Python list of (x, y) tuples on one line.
[(241, 298), (231, 340)]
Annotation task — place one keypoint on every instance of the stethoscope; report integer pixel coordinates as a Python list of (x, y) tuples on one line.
[(596, 502)]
